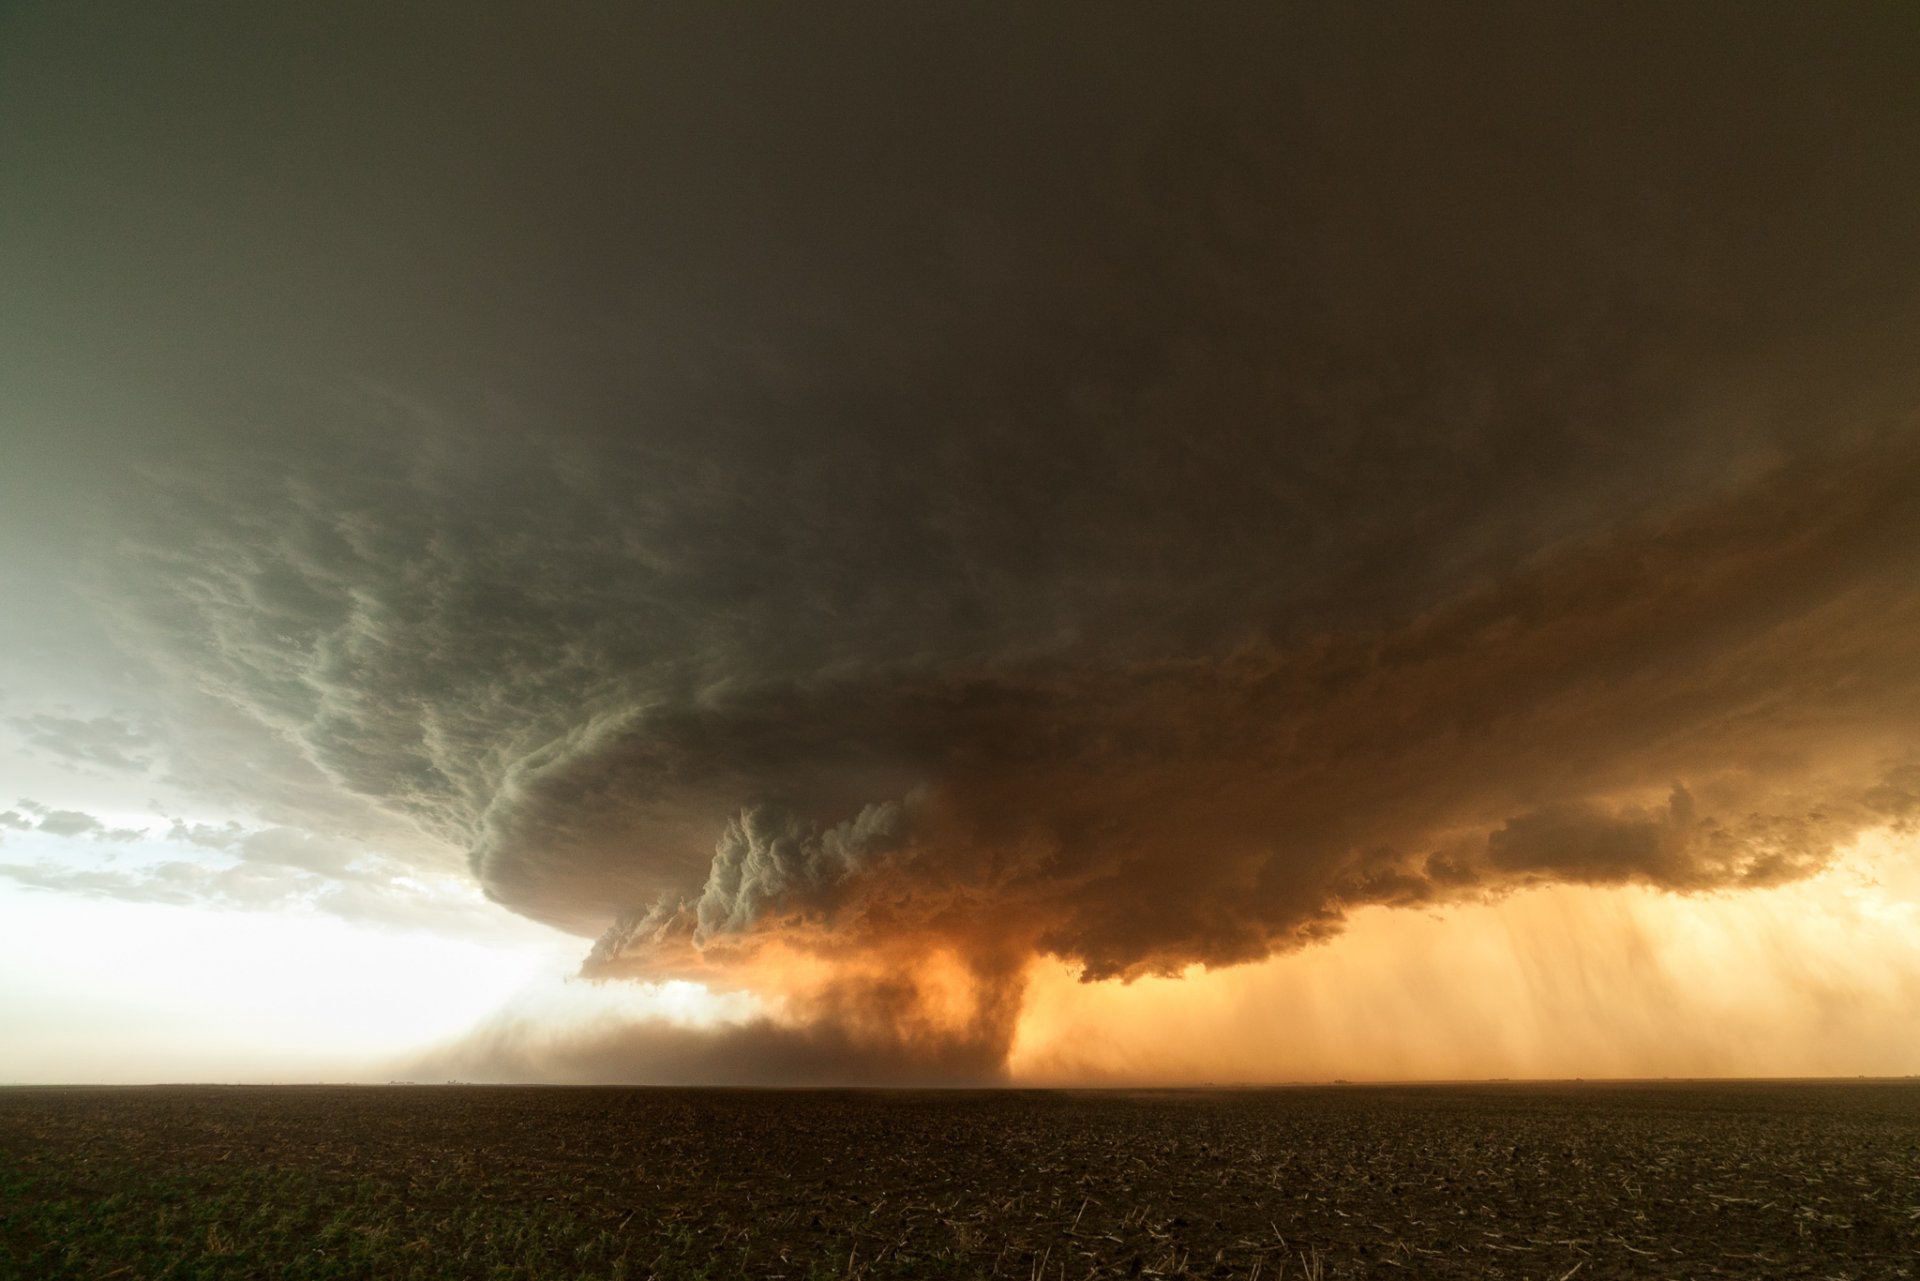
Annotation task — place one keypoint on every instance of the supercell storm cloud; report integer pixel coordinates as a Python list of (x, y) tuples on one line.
[(888, 494)]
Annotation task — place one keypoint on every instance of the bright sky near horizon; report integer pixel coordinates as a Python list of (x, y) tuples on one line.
[(1814, 979), (766, 545)]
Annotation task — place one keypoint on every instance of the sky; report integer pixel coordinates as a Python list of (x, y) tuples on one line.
[(938, 545)]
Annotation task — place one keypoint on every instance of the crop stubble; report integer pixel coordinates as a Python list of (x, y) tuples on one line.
[(1494, 1181)]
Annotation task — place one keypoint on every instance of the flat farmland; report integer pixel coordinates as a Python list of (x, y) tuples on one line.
[(1485, 1181)]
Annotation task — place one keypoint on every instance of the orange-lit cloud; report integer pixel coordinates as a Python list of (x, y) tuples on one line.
[(1721, 702), (881, 523), (1818, 977)]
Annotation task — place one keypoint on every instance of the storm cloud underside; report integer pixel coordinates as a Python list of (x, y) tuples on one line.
[(885, 496)]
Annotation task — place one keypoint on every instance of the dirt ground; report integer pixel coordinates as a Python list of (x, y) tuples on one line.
[(1485, 1181)]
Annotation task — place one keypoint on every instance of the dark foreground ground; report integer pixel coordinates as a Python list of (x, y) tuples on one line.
[(1761, 1180)]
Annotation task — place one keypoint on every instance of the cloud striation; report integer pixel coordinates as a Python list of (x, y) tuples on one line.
[(846, 510)]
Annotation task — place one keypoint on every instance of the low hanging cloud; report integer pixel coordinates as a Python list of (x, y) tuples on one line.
[(868, 515), (1717, 699)]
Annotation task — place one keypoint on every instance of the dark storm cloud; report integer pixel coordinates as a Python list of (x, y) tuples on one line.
[(1121, 486), (765, 858)]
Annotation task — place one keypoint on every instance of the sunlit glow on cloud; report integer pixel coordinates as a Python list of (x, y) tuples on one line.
[(948, 551), (1817, 977)]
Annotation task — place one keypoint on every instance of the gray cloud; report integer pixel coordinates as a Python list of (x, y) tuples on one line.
[(254, 869), (766, 860), (175, 882), (68, 823), (279, 846), (63, 822), (974, 490), (100, 740), (380, 894)]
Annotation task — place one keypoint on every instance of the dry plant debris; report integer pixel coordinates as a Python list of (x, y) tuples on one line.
[(1495, 1181)]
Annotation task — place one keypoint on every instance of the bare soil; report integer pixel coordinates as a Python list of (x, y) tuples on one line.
[(1490, 1181)]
